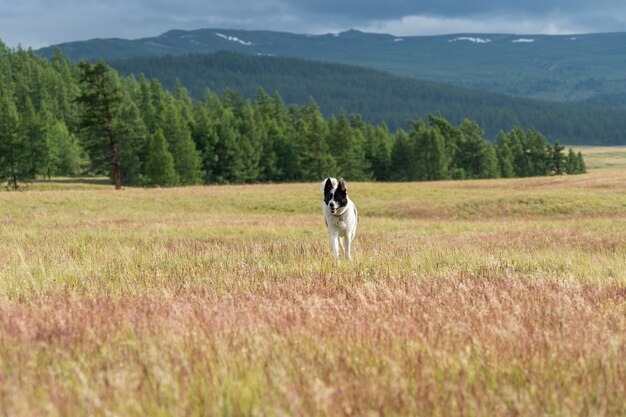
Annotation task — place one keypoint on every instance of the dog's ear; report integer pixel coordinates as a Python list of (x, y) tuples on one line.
[(342, 185), (328, 185)]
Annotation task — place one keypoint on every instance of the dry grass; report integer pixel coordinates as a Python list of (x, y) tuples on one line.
[(499, 297), (603, 156)]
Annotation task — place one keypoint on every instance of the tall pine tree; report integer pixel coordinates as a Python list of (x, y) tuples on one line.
[(100, 101), (160, 163), (14, 166)]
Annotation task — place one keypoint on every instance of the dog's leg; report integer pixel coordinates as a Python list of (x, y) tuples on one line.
[(348, 244), (334, 243)]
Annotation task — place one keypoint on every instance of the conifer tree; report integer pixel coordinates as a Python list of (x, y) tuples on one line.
[(286, 140), (348, 149), (480, 156), (558, 159), (203, 132), (453, 139), (538, 153), (133, 143), (250, 142), (33, 136), (378, 145), (65, 90), (268, 134), (66, 156), (146, 105), (314, 155), (429, 150), (582, 167), (571, 163), (230, 167), (159, 169), (505, 156), (13, 152), (187, 160), (100, 100), (403, 161), (516, 139)]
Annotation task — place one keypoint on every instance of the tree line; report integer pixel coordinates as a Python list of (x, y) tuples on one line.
[(378, 96), (61, 119)]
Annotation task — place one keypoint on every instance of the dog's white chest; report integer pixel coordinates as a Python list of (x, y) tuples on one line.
[(343, 223), (338, 222)]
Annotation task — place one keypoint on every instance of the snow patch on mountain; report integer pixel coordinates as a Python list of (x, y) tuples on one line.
[(233, 39), (470, 39), (398, 40)]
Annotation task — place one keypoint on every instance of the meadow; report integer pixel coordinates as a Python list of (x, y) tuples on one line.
[(475, 298)]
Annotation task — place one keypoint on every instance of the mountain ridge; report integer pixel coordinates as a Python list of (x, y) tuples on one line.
[(566, 68)]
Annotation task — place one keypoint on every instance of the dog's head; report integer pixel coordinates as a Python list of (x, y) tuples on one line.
[(335, 194)]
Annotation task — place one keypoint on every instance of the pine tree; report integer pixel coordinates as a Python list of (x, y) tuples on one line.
[(488, 160), (480, 157), (33, 136), (159, 169), (558, 159), (348, 149), (65, 90), (269, 133), (187, 160), (286, 141), (203, 132), (538, 153), (403, 161), (429, 151), (146, 104), (230, 167), (582, 167), (314, 156), (571, 163), (516, 141), (13, 152), (505, 156), (133, 143), (66, 156), (377, 146), (100, 100), (250, 141), (453, 139)]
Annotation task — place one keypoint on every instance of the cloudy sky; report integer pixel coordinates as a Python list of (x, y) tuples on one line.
[(37, 23)]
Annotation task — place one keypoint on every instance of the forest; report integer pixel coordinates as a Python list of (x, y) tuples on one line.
[(381, 97), (63, 119)]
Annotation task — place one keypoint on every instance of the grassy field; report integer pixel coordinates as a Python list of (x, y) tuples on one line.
[(603, 156), (476, 298)]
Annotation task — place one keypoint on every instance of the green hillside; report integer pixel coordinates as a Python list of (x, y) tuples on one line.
[(378, 96), (561, 68)]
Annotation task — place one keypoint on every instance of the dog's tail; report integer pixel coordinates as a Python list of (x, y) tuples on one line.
[(333, 181)]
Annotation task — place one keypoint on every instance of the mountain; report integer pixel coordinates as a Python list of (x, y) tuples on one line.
[(562, 68), (376, 95)]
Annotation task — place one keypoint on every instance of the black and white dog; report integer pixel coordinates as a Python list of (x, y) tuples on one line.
[(340, 215)]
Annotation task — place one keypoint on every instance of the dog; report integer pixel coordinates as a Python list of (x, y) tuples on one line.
[(340, 214)]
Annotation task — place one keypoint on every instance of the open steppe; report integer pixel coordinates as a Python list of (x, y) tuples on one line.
[(475, 298)]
